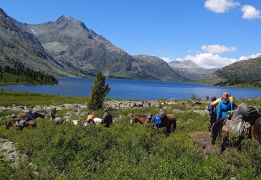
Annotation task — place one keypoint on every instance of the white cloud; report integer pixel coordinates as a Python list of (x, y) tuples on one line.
[(220, 6), (250, 12), (250, 57), (217, 49), (209, 60), (168, 60)]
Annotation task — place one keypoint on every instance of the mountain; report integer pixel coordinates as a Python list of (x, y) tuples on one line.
[(190, 70), (22, 49), (157, 68), (80, 49), (241, 72)]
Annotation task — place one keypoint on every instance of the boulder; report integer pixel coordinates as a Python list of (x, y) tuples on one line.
[(8, 151)]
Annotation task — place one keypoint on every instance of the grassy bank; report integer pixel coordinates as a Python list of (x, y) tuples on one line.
[(124, 152), (26, 98)]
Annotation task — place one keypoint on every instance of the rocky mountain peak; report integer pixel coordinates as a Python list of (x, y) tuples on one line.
[(188, 64)]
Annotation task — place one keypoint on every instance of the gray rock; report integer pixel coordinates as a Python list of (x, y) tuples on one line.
[(8, 151)]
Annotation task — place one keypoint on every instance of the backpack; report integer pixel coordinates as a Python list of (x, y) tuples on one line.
[(162, 113), (158, 121)]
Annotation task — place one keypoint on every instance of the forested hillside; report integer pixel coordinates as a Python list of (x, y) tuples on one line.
[(20, 75), (244, 73)]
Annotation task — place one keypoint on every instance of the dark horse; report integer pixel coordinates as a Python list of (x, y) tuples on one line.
[(168, 121), (15, 124), (35, 115), (256, 130), (220, 129)]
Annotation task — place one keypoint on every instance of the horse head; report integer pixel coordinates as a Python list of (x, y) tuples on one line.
[(133, 119), (36, 115), (8, 124)]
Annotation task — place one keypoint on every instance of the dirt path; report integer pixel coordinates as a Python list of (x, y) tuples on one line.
[(203, 141)]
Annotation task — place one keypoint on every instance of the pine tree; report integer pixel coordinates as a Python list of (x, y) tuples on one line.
[(99, 92)]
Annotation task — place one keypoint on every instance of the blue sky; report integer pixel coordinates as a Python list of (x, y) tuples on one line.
[(212, 33)]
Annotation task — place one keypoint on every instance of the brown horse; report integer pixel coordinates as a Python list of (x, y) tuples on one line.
[(35, 115), (30, 124), (220, 129), (11, 123), (15, 124), (139, 118), (168, 121), (256, 130)]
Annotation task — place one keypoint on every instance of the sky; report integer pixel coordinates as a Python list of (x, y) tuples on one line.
[(211, 33)]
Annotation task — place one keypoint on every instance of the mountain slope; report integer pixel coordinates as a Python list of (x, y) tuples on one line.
[(22, 49), (80, 49), (190, 70), (156, 68), (241, 72)]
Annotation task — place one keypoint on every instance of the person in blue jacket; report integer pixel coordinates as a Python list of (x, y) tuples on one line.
[(224, 105)]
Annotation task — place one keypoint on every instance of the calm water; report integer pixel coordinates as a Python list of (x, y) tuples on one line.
[(136, 89)]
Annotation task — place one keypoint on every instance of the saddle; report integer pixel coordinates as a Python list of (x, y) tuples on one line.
[(21, 122), (236, 127)]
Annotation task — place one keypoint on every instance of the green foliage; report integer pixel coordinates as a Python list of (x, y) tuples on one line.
[(99, 92), (25, 76), (244, 74), (124, 152), (207, 97)]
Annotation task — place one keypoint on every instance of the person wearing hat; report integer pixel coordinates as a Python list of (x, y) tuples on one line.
[(223, 106), (215, 103)]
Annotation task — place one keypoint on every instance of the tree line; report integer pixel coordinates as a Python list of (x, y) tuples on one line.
[(28, 73)]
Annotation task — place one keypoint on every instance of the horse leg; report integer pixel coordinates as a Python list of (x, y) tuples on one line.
[(168, 131), (174, 125), (223, 144)]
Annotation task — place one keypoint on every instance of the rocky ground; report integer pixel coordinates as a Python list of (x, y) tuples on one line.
[(8, 151), (80, 110)]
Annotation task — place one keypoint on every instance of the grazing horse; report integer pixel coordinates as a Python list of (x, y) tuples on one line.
[(256, 130), (11, 123), (15, 124), (58, 121), (220, 130), (139, 118), (168, 121), (35, 115), (30, 123)]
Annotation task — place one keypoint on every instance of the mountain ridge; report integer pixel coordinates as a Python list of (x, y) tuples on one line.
[(241, 72), (75, 46), (190, 70)]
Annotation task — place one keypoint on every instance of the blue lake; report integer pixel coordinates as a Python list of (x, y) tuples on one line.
[(136, 89)]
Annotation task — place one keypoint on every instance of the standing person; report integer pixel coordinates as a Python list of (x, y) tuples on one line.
[(212, 112), (223, 106), (53, 113)]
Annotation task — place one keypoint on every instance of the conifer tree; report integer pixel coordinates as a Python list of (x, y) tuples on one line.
[(99, 92)]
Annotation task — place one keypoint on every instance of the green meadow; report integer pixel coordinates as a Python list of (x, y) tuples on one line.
[(121, 151)]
